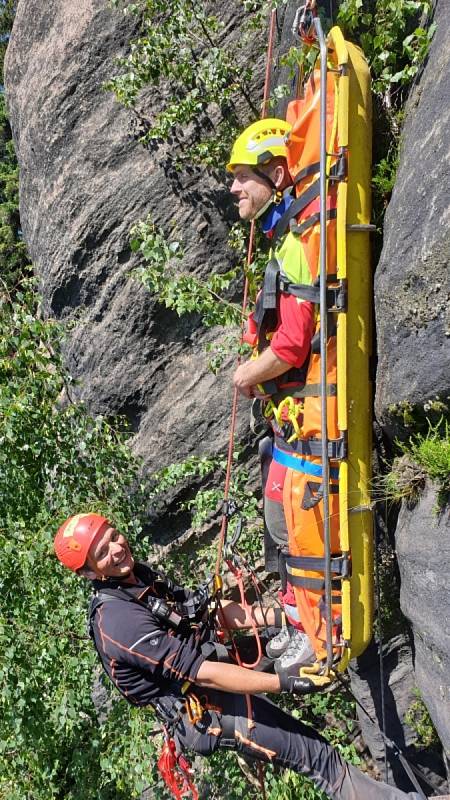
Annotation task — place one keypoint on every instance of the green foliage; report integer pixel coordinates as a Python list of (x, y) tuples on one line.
[(186, 293), (394, 44), (395, 36), (206, 506), (180, 54), (54, 460), (423, 455), (182, 292), (418, 718), (432, 452), (13, 255), (221, 350), (7, 12), (207, 501), (383, 180)]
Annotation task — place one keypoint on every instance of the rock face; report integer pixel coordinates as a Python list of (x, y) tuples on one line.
[(412, 287), (411, 298), (423, 548), (399, 696), (84, 182)]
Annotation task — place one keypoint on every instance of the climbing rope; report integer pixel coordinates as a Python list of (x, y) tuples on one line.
[(380, 645), (218, 583), (225, 508)]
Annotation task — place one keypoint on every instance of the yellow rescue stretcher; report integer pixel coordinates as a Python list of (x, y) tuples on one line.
[(330, 519)]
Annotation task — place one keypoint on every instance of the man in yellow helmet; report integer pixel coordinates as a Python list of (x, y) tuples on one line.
[(280, 333), (258, 164)]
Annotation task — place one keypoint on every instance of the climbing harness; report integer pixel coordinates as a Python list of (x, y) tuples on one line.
[(191, 615)]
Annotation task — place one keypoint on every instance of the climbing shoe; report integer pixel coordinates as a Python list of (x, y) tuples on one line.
[(277, 646), (298, 653)]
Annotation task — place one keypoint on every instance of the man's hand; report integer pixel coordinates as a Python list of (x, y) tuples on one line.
[(240, 381), (235, 617), (296, 685), (264, 368)]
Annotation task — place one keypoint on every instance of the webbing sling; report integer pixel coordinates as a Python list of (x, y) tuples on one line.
[(307, 390), (309, 170), (312, 220), (336, 295), (294, 209), (340, 565), (301, 464), (311, 500), (275, 282), (337, 448), (267, 300), (313, 584), (295, 376)]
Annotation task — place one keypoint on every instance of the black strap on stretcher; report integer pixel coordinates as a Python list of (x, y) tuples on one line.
[(338, 172)]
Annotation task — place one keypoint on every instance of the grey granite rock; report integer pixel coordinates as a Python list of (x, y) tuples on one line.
[(412, 286), (423, 549), (84, 181)]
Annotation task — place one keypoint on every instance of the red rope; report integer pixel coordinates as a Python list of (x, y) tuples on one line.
[(224, 525), (238, 574)]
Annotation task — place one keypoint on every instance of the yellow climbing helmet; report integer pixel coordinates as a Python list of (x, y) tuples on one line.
[(260, 142)]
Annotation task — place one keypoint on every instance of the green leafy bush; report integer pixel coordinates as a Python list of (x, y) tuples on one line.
[(418, 718), (55, 460), (180, 53), (424, 455), (395, 36), (394, 44), (181, 291)]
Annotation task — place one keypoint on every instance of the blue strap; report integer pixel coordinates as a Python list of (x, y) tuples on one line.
[(301, 464)]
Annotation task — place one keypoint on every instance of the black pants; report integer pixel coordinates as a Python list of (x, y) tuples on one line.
[(264, 732)]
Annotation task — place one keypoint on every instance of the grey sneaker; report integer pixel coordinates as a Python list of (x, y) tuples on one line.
[(279, 643), (299, 652)]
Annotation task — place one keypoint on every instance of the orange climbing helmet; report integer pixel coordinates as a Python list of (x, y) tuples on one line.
[(74, 538)]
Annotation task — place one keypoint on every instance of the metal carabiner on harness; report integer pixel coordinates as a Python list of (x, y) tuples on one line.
[(303, 24), (228, 551)]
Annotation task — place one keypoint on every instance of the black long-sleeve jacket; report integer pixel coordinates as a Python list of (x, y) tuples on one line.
[(145, 659)]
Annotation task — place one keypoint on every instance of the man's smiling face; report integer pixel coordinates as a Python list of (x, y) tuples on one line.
[(251, 191), (109, 554)]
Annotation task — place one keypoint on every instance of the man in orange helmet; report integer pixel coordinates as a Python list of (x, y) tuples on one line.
[(156, 643)]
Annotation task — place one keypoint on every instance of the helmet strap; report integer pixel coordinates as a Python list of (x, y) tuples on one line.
[(265, 178), (264, 208), (277, 193)]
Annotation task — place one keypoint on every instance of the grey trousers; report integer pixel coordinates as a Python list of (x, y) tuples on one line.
[(263, 732)]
